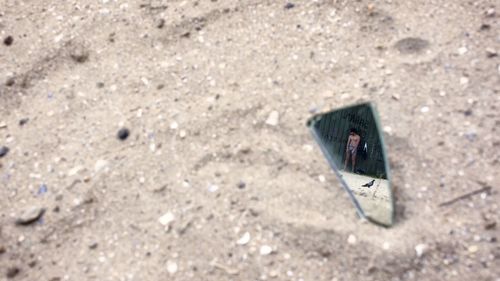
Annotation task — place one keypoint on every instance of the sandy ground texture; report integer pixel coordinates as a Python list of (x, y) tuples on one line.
[(219, 178), (375, 201)]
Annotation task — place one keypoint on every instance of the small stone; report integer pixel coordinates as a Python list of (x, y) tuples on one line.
[(273, 118), (93, 246), (321, 178), (100, 165), (213, 188), (473, 249), (123, 134), (421, 249), (387, 130), (491, 53), (289, 6), (10, 82), (424, 109), (79, 54), (241, 185), (167, 219), (471, 136), (8, 40), (3, 151), (351, 239), (13, 272), (464, 80), (160, 24), (273, 273), (172, 267), (265, 250), (182, 134), (23, 121), (174, 125), (395, 96), (30, 216), (411, 45), (462, 50), (244, 239), (490, 225), (490, 12), (75, 170)]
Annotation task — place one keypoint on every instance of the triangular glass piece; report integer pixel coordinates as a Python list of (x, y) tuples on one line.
[(351, 140)]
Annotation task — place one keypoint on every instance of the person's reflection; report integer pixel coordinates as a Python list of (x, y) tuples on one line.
[(352, 148)]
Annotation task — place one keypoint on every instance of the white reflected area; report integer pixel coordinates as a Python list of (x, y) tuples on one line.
[(372, 194)]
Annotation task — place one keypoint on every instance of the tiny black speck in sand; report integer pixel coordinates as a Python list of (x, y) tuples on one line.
[(3, 151), (123, 134), (8, 40)]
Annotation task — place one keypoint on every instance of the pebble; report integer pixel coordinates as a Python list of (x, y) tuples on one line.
[(491, 53), (241, 185), (3, 151), (123, 133), (23, 121), (174, 125), (321, 178), (387, 129), (289, 6), (3, 125), (8, 40), (213, 188), (490, 12), (75, 170), (424, 109), (12, 272), (172, 267), (473, 249), (244, 239), (273, 273), (464, 80), (265, 250), (471, 136), (30, 216), (351, 239), (273, 118), (167, 219), (462, 50), (100, 165), (421, 249), (182, 134)]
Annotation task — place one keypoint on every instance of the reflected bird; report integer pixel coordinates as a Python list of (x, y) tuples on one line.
[(369, 184)]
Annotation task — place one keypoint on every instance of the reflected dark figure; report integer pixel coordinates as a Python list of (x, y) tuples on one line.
[(352, 148)]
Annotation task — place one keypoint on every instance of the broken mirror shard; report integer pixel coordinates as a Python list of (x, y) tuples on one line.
[(351, 140)]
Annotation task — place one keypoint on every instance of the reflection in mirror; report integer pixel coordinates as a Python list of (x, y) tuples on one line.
[(352, 143)]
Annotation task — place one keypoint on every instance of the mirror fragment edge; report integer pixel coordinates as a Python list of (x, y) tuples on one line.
[(310, 124)]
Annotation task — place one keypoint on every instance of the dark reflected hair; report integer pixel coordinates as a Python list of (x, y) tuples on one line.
[(353, 130)]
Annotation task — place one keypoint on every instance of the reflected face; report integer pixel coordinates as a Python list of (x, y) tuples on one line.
[(351, 141)]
